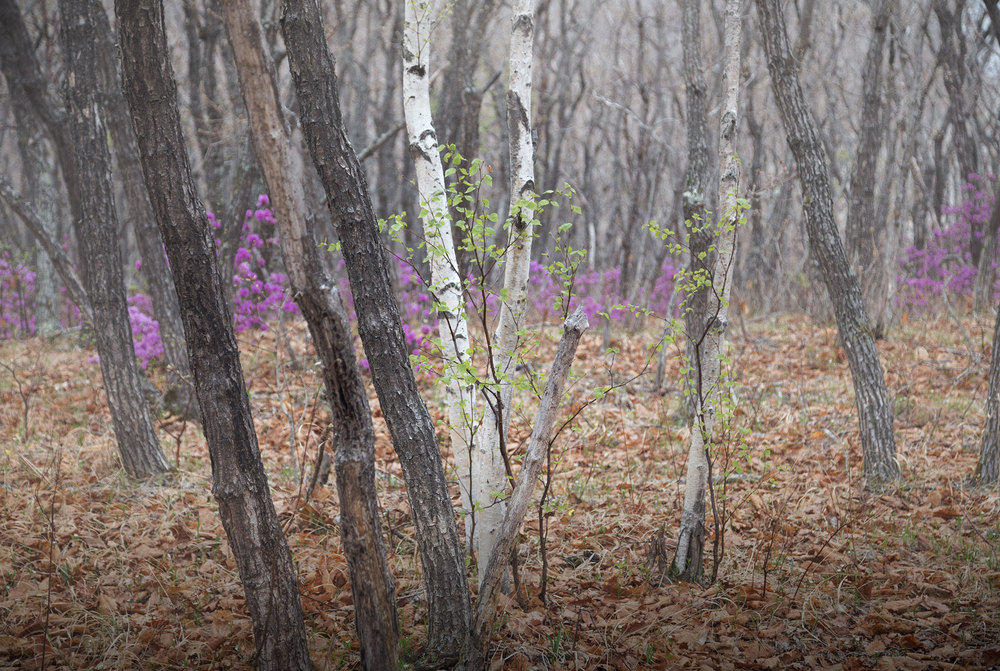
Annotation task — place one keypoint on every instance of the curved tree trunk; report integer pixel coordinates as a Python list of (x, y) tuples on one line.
[(380, 328), (446, 282), (239, 482), (875, 413), (315, 293), (97, 234)]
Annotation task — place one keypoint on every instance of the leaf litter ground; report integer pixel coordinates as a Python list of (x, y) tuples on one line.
[(817, 572)]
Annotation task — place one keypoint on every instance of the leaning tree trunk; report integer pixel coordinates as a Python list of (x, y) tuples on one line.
[(491, 486), (100, 255), (446, 282), (864, 230), (380, 328), (57, 256), (534, 457), (988, 469), (695, 203), (316, 295), (709, 344), (875, 413), (239, 482)]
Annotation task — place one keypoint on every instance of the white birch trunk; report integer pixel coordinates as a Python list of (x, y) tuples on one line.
[(707, 372), (491, 482), (446, 284)]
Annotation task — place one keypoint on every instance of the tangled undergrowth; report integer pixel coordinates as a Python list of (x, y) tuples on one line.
[(99, 571)]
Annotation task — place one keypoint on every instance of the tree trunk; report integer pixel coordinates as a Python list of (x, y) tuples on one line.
[(710, 345), (446, 282), (239, 482), (534, 457), (180, 394), (316, 295), (97, 234), (492, 486), (696, 225), (864, 231), (380, 328), (988, 469), (875, 413)]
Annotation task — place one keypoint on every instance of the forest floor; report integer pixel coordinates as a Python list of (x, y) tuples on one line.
[(102, 572)]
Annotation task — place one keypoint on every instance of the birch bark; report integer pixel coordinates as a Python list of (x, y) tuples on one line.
[(707, 367), (446, 283), (491, 480)]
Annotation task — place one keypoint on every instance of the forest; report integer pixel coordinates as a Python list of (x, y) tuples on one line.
[(482, 335)]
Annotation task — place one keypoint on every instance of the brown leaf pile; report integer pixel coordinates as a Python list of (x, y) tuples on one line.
[(817, 572)]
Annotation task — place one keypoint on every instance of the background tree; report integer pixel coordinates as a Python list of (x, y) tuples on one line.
[(239, 483)]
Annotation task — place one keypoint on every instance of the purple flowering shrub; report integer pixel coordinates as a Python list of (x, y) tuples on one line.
[(599, 292), (945, 263), (258, 292), (145, 329), (17, 294)]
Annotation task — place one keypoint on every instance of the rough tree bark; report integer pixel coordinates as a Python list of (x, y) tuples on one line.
[(100, 256), (316, 295), (491, 486), (380, 328), (239, 482), (446, 282), (710, 343), (864, 233), (875, 412), (988, 468)]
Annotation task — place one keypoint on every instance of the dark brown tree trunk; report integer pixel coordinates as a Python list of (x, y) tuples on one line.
[(864, 232), (238, 479), (380, 329), (97, 234), (875, 412), (315, 293), (179, 397)]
